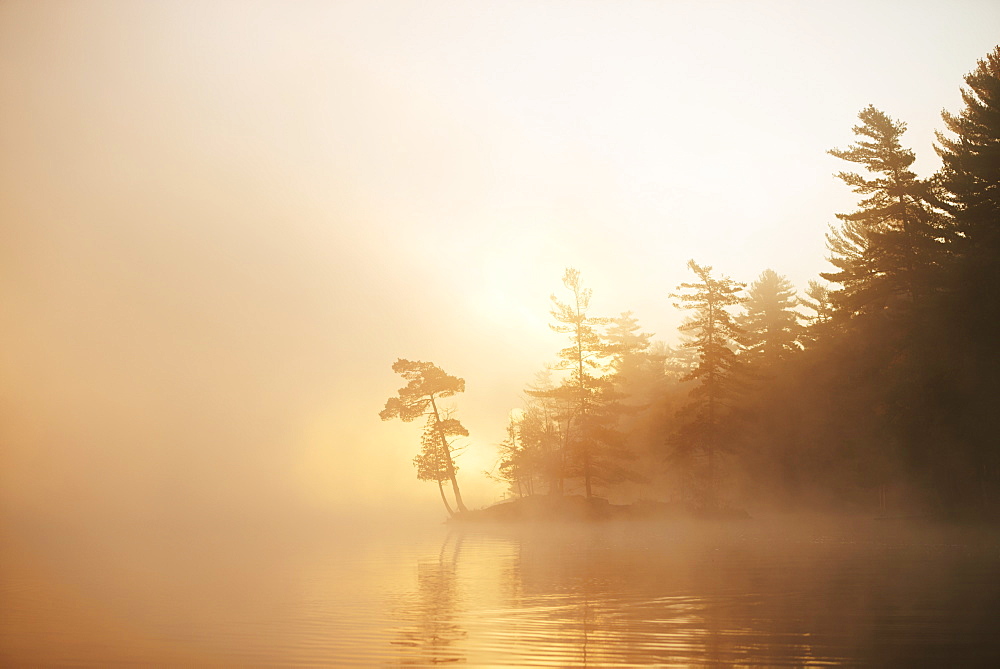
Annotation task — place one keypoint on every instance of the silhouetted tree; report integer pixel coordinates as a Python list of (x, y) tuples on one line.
[(428, 383), (971, 165), (969, 319), (887, 250), (771, 322), (518, 464), (627, 344), (818, 300), (432, 463), (542, 433), (716, 338), (593, 445)]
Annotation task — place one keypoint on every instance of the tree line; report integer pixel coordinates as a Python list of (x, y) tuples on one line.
[(877, 388)]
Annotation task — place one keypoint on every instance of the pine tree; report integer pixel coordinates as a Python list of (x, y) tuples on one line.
[(428, 384), (593, 448), (964, 343), (818, 300), (971, 159), (971, 176), (543, 431), (434, 463), (771, 324), (628, 345), (888, 250), (716, 338), (516, 465)]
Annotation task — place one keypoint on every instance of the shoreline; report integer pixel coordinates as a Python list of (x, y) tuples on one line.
[(576, 508)]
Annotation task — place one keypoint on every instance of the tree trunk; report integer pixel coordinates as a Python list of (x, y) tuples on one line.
[(458, 493), (712, 381), (445, 500), (446, 451), (711, 449), (584, 442)]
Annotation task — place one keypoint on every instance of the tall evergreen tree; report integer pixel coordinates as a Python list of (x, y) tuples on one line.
[(544, 430), (628, 345), (971, 164), (517, 466), (971, 176), (886, 251), (716, 337), (584, 360), (593, 446), (818, 300), (966, 353), (771, 322)]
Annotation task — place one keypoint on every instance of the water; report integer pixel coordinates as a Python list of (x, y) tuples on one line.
[(855, 592)]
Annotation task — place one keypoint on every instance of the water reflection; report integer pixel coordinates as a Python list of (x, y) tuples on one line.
[(579, 597), (433, 607), (632, 595), (621, 599), (675, 596)]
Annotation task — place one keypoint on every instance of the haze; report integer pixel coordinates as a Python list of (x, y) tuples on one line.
[(222, 222)]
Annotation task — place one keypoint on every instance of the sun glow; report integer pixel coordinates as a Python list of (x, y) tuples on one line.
[(251, 208)]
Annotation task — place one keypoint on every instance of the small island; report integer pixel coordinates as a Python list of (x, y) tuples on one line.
[(577, 508)]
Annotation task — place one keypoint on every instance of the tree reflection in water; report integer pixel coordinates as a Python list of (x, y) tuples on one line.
[(677, 596), (589, 599), (432, 634)]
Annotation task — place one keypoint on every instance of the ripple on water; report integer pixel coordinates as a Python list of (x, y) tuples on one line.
[(563, 598)]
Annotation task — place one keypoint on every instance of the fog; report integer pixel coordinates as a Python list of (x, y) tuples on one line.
[(220, 223), (783, 591)]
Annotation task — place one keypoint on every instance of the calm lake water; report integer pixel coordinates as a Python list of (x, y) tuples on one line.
[(852, 592)]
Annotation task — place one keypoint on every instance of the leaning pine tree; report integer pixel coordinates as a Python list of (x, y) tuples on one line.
[(428, 384), (432, 463)]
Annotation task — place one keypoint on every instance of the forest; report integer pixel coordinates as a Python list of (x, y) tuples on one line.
[(874, 391)]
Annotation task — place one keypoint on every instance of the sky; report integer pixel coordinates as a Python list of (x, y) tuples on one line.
[(221, 222)]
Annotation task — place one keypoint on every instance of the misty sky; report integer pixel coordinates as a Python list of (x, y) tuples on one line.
[(220, 223)]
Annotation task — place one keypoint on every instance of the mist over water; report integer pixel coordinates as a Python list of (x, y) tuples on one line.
[(778, 592), (221, 222)]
